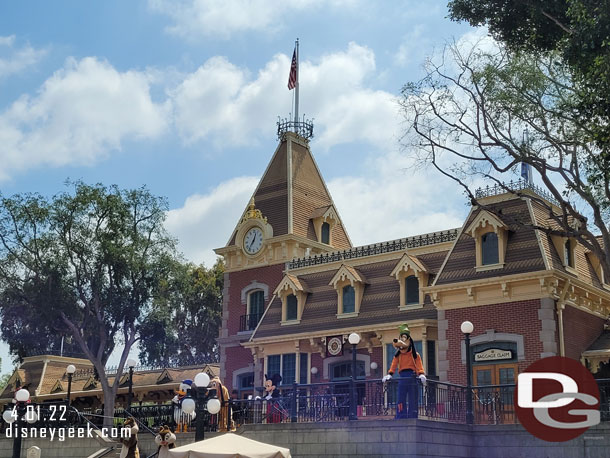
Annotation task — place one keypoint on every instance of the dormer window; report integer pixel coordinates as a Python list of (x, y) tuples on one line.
[(349, 299), (565, 248), (411, 273), (292, 291), (349, 284), (568, 253), (324, 219), (490, 234), (291, 307), (325, 233), (411, 290), (489, 249)]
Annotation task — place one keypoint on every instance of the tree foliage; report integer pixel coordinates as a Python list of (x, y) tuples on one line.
[(186, 317), (576, 31), (85, 263), (469, 116)]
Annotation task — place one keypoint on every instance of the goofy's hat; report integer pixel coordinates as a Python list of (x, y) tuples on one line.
[(403, 329)]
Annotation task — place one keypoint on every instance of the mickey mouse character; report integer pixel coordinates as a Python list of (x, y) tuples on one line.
[(130, 444), (166, 440), (273, 408), (409, 365)]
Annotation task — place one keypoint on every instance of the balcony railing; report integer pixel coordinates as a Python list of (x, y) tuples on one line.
[(249, 322), (377, 248), (324, 402)]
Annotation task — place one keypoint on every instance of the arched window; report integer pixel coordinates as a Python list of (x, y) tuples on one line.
[(256, 303), (349, 299), (568, 254), (325, 233), (291, 307), (412, 289), (489, 248)]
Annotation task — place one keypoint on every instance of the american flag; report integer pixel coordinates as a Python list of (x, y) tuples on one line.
[(292, 78)]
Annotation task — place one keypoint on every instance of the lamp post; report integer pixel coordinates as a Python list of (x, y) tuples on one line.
[(354, 339), (201, 382), (70, 370), (131, 363), (467, 328), (22, 397)]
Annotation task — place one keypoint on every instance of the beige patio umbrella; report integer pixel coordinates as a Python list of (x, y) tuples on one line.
[(229, 446)]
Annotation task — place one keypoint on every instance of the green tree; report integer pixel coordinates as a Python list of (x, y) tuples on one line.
[(469, 116), (86, 263), (576, 31), (4, 378), (186, 317)]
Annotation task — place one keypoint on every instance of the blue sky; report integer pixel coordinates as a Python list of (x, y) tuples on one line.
[(183, 95)]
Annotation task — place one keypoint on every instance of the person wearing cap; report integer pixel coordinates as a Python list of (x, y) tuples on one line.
[(409, 365)]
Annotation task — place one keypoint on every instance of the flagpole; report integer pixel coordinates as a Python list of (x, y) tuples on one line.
[(296, 92)]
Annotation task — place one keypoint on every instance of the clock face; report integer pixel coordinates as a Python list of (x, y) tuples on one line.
[(253, 241)]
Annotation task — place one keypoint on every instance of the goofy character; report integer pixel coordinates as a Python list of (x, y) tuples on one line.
[(166, 440), (409, 365), (180, 417)]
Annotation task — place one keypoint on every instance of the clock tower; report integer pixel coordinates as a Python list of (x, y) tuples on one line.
[(290, 215)]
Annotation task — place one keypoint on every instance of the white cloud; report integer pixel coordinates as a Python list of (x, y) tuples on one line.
[(17, 59), (221, 101), (80, 113), (398, 203), (195, 18), (206, 221), (7, 41)]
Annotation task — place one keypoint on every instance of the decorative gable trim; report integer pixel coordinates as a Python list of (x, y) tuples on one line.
[(482, 221), (290, 282), (165, 377), (349, 274), (57, 388), (90, 384), (124, 380), (406, 264)]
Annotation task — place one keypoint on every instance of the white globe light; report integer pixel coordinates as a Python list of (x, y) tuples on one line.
[(213, 406), (314, 370), (71, 369), (354, 338), (131, 362), (374, 365), (31, 417), (202, 380), (188, 406), (22, 395), (7, 416), (467, 327)]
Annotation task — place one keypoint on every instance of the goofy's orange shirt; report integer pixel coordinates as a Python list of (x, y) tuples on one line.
[(405, 361)]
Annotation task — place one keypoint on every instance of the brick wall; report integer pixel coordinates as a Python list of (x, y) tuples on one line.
[(268, 275), (514, 317), (237, 357), (580, 329)]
